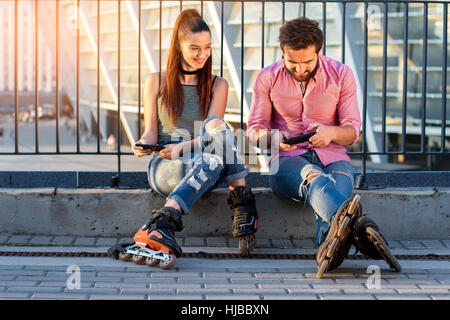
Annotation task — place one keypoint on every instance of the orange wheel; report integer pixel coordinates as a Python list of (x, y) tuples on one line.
[(322, 268), (138, 259), (343, 227), (386, 252), (353, 205), (244, 247), (151, 262), (165, 265), (125, 257), (332, 247)]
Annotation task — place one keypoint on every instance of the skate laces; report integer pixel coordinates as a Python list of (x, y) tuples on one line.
[(240, 217)]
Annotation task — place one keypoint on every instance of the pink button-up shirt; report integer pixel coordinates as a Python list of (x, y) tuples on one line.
[(330, 99)]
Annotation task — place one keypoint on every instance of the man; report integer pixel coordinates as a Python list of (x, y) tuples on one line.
[(304, 92)]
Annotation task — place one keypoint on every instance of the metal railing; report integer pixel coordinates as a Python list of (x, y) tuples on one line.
[(364, 153)]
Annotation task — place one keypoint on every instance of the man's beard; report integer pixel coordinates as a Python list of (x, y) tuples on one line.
[(306, 77), (303, 78)]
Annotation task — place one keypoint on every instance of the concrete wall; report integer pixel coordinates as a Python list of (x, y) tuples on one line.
[(422, 213)]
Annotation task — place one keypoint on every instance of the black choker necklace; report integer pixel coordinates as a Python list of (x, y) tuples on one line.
[(189, 72)]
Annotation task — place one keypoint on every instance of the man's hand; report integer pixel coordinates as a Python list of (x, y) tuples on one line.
[(284, 147), (324, 135)]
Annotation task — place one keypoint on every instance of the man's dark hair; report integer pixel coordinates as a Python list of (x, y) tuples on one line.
[(300, 33)]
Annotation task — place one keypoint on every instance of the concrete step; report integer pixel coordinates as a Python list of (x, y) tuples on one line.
[(402, 214)]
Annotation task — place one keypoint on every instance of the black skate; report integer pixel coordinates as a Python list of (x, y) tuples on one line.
[(245, 217), (369, 241), (154, 242), (334, 249)]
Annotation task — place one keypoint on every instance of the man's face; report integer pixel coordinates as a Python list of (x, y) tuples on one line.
[(301, 63)]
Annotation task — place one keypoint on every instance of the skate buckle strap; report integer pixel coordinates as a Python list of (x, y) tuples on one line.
[(241, 196), (172, 215)]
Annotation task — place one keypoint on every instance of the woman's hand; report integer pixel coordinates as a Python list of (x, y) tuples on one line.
[(172, 151), (140, 151)]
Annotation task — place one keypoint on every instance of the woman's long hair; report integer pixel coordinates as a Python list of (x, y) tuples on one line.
[(189, 21)]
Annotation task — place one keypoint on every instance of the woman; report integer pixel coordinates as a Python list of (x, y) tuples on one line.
[(177, 103)]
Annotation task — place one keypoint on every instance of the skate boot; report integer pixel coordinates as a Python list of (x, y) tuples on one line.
[(369, 241), (155, 242), (335, 247), (245, 217)]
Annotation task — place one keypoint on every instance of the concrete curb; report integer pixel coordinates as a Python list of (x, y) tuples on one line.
[(402, 214)]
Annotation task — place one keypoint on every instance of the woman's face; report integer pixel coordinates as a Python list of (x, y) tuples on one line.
[(195, 50)]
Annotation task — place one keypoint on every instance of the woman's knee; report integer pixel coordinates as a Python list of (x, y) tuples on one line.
[(215, 123)]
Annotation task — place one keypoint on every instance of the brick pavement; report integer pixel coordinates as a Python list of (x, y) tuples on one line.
[(30, 240), (209, 279)]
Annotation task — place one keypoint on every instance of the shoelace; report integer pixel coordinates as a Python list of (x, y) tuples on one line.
[(239, 218)]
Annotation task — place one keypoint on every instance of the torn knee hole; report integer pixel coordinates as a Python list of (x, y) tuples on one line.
[(215, 124), (312, 175), (344, 173)]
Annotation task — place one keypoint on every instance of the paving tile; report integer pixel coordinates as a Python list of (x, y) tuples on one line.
[(402, 297), (216, 242), (195, 242), (58, 296), (63, 241), (4, 238), (106, 242), (85, 241), (412, 244), (282, 243), (42, 240), (446, 243), (347, 297), (432, 244), (19, 239), (117, 297), (304, 243)]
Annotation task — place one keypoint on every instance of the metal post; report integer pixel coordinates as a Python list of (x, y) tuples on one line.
[(383, 138), (16, 89), (361, 179), (444, 78), (424, 77), (242, 65), (221, 37), (139, 67), (78, 76), (344, 9), (324, 23), (263, 18), (118, 92), (98, 76), (405, 77), (57, 77), (36, 76)]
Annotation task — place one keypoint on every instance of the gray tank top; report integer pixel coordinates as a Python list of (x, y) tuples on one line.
[(186, 124)]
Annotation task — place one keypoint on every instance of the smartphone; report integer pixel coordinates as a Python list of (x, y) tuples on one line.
[(153, 147), (299, 139)]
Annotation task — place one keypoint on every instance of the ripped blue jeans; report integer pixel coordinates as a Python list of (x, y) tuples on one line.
[(187, 178), (325, 193)]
